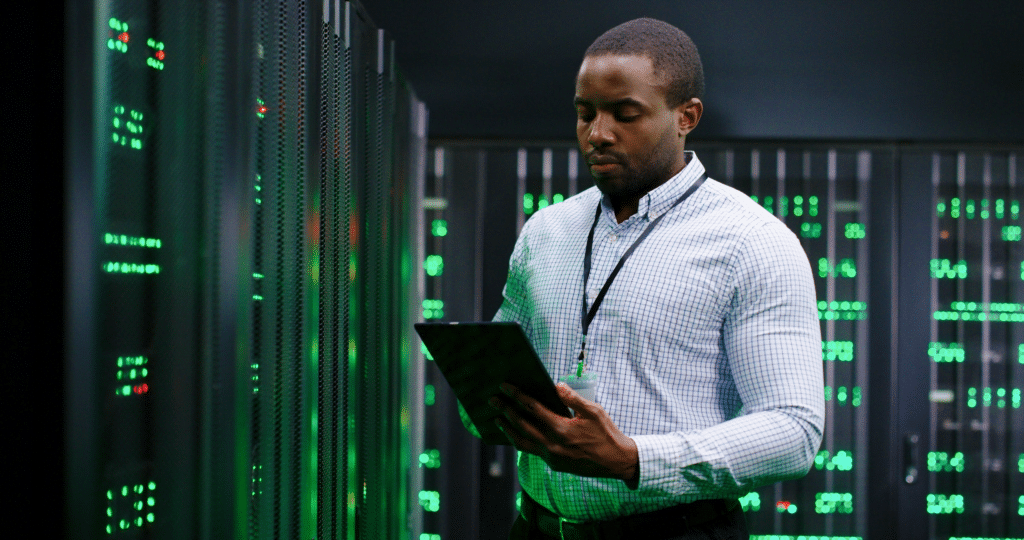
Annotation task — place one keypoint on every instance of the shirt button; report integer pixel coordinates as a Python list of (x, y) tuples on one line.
[(592, 295), (612, 238)]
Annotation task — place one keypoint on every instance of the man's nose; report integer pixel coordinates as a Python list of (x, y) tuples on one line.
[(601, 135)]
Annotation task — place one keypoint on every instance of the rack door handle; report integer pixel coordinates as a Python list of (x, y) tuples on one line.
[(910, 470)]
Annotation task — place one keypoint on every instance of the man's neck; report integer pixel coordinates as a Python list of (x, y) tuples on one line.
[(624, 210)]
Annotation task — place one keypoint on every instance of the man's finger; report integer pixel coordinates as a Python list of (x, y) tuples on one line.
[(530, 405), (572, 398), (528, 429)]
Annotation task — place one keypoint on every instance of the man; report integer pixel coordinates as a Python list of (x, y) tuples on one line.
[(705, 341)]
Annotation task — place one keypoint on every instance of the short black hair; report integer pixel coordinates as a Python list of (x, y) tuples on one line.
[(671, 51)]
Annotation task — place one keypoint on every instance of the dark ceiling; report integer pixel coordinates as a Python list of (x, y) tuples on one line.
[(895, 70)]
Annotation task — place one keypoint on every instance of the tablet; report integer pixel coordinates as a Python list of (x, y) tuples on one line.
[(476, 357)]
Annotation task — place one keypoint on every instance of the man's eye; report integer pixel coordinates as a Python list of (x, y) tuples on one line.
[(627, 119), (584, 115)]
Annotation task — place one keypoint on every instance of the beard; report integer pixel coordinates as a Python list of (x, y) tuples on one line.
[(638, 175)]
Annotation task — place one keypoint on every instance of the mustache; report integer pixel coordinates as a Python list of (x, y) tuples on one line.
[(595, 157)]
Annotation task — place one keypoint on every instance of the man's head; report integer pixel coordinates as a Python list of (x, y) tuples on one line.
[(671, 51), (637, 97)]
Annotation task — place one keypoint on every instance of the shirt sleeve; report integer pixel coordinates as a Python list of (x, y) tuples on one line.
[(772, 338), (515, 298)]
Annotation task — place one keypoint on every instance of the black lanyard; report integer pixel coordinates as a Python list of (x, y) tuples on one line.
[(587, 316)]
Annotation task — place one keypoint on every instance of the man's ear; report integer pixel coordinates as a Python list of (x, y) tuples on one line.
[(688, 115)]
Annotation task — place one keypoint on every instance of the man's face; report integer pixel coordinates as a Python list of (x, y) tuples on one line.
[(629, 135)]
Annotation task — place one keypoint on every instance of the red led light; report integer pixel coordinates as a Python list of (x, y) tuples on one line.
[(141, 389), (782, 505), (159, 55), (262, 109), (123, 37)]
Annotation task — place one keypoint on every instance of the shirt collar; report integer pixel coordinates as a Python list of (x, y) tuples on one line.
[(660, 199)]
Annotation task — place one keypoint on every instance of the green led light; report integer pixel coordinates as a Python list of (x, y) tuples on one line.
[(844, 395), (439, 227), (810, 230), (1020, 463), (261, 108), (430, 500), (945, 504), (841, 351), (434, 265), (1000, 397), (1011, 233), (946, 352), (430, 459), (842, 461), (847, 268), (133, 127), (429, 395), (842, 311), (941, 462), (785, 206), (855, 231), (833, 503), (426, 353), (542, 203), (974, 311), (430, 536), (769, 204), (528, 203), (751, 502), (433, 309), (944, 268), (557, 198), (132, 241), (983, 208), (112, 267)]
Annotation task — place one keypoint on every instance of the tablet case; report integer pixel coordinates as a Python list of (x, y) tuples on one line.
[(476, 357)]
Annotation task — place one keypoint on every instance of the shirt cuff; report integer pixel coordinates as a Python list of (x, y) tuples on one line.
[(657, 454)]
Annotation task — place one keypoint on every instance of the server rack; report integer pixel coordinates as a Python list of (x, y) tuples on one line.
[(877, 223), (240, 227)]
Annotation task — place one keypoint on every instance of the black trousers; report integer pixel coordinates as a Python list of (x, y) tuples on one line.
[(730, 526)]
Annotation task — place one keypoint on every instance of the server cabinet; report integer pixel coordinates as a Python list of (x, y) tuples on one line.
[(916, 255), (240, 233), (957, 451)]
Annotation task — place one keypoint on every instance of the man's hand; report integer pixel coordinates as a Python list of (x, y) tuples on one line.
[(588, 445)]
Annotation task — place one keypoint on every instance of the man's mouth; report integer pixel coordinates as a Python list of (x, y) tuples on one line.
[(602, 163)]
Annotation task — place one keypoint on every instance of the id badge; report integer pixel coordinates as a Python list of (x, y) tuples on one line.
[(585, 385)]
